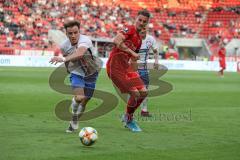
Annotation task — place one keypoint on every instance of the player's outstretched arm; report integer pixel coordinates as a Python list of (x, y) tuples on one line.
[(134, 64), (76, 55), (118, 41)]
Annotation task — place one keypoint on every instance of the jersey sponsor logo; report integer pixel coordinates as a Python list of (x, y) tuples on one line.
[(148, 44), (143, 51), (70, 50), (125, 30)]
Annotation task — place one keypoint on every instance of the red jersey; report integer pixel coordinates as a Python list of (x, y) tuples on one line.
[(119, 58), (222, 55), (118, 67), (172, 54)]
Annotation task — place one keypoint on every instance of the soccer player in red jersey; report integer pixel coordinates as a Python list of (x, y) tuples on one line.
[(122, 67), (222, 60)]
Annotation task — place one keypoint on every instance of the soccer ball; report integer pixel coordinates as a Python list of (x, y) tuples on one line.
[(88, 136)]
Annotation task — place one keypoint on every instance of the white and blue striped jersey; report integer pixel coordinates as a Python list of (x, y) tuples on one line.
[(79, 67), (147, 44)]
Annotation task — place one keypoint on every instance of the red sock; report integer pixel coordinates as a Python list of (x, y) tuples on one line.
[(139, 101), (131, 105)]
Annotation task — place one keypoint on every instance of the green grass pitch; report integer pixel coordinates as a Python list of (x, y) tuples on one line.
[(198, 119)]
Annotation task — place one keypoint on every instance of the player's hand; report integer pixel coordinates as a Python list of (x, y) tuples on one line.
[(135, 56), (56, 59), (156, 66)]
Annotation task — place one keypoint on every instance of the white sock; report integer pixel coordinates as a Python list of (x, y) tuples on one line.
[(79, 109), (74, 106), (144, 105)]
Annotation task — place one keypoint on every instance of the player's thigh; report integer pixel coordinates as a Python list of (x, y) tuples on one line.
[(90, 85), (144, 75), (79, 94), (77, 83)]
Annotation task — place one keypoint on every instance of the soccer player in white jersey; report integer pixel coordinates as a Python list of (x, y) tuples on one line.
[(148, 44), (82, 66)]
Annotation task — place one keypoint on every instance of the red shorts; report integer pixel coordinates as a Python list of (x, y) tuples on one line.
[(126, 81), (222, 64)]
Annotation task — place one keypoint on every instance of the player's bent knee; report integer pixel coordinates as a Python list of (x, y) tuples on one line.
[(85, 101), (135, 94), (79, 98), (143, 93)]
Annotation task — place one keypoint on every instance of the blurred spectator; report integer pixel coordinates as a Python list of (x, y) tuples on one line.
[(171, 13), (9, 41), (184, 27), (216, 24), (23, 44), (157, 33), (198, 14)]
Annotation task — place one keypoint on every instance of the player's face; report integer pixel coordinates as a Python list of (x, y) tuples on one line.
[(143, 33), (73, 34), (141, 22)]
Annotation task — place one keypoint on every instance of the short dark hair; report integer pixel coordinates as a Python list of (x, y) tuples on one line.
[(71, 23), (144, 12)]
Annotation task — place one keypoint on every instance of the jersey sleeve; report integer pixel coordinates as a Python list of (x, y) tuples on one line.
[(63, 48), (86, 42), (154, 43), (128, 31)]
